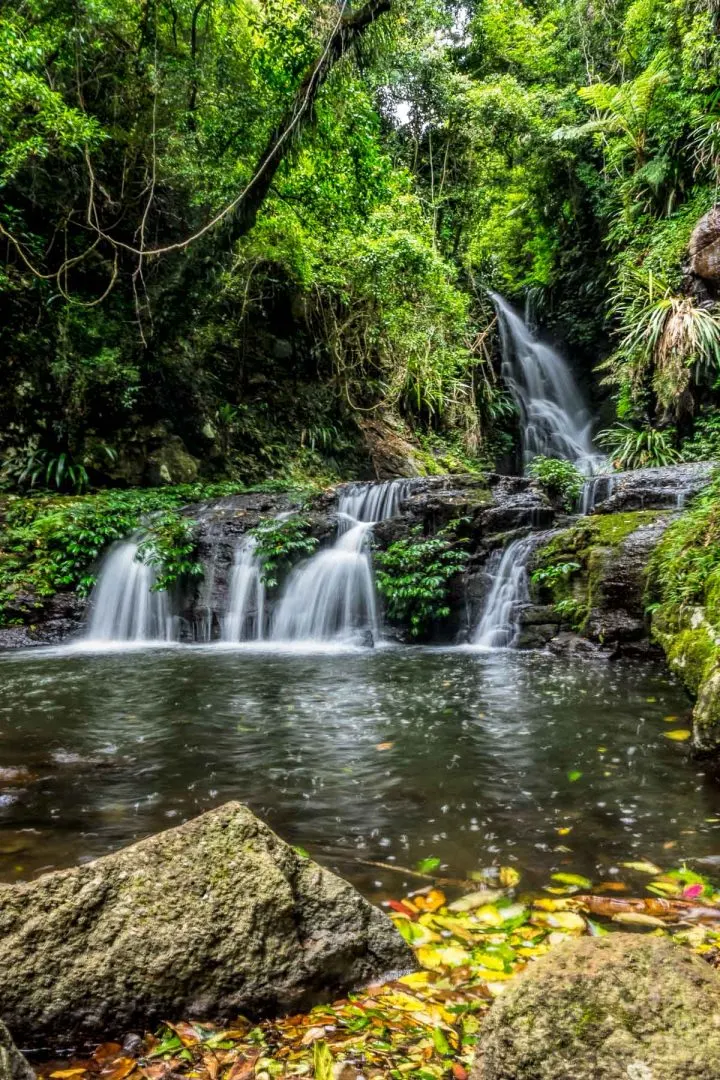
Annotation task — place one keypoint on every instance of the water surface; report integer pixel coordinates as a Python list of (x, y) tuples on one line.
[(385, 755)]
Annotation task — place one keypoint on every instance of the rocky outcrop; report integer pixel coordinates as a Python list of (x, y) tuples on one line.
[(622, 1006), (593, 575), (213, 919), (46, 620), (666, 488), (391, 454), (13, 1065), (704, 247)]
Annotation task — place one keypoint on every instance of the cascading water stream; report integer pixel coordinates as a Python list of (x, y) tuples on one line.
[(498, 626), (332, 597), (554, 419), (245, 619), (124, 607)]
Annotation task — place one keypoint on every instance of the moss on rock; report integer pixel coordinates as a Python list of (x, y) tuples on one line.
[(622, 1006)]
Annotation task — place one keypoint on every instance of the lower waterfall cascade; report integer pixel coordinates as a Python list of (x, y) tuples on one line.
[(245, 619), (330, 597), (124, 606), (510, 589)]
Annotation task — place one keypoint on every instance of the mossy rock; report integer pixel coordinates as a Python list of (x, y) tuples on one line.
[(13, 1065), (622, 1007), (216, 918)]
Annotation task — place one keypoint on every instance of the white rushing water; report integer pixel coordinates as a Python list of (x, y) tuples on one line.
[(123, 605), (510, 589), (245, 618), (332, 597), (554, 419)]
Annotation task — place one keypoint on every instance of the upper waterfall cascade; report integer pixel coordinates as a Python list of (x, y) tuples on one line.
[(555, 419)]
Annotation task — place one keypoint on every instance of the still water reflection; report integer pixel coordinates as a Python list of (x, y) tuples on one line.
[(386, 756)]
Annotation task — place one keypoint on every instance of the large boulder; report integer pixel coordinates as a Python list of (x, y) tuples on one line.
[(622, 1007), (704, 248), (13, 1065), (216, 918)]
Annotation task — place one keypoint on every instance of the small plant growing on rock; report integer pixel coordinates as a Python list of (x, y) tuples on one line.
[(561, 481), (414, 575), (280, 543)]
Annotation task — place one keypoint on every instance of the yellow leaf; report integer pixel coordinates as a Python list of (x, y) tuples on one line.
[(475, 900), (509, 877), (550, 905), (438, 956), (561, 920), (564, 831), (489, 915), (415, 978), (636, 918), (61, 1074), (678, 735), (643, 867)]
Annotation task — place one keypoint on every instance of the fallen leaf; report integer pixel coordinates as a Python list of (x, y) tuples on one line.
[(385, 746), (574, 775), (509, 877), (637, 918), (642, 867), (573, 879), (678, 735)]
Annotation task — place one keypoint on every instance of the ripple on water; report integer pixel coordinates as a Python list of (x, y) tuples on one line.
[(374, 755)]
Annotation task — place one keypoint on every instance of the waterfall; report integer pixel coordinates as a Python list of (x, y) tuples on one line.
[(498, 626), (123, 605), (554, 419), (595, 490), (245, 618), (372, 502), (332, 597)]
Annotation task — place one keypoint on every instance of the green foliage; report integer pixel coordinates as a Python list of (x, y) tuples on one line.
[(639, 448), (668, 340), (560, 480), (52, 543), (705, 442), (550, 575), (414, 574), (685, 566), (42, 468), (280, 543), (169, 545)]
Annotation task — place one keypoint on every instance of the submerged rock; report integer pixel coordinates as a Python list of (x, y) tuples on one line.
[(216, 918), (13, 1065), (622, 1006)]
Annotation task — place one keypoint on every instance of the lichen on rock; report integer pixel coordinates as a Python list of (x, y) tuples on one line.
[(609, 1008), (216, 918), (13, 1065)]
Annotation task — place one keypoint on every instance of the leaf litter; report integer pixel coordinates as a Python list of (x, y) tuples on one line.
[(424, 1025)]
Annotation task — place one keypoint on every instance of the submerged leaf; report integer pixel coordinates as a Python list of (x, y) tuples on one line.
[(678, 735)]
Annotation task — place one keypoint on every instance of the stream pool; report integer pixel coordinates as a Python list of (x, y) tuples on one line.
[(389, 755)]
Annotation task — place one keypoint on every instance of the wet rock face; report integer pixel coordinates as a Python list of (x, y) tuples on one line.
[(704, 249), (50, 621), (623, 1006), (13, 1065), (216, 918), (618, 599), (666, 488)]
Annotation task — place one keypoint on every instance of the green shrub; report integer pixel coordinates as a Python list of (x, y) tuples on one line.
[(280, 543), (560, 480), (705, 442), (414, 575), (639, 448)]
